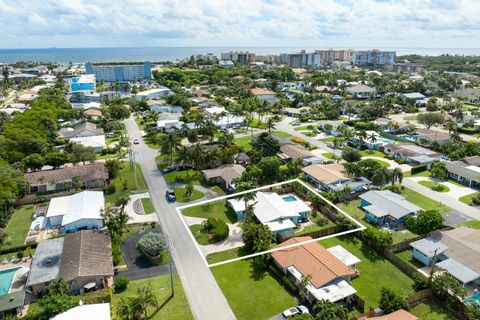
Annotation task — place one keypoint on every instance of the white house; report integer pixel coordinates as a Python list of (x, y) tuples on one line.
[(76, 212), (153, 93), (99, 311), (96, 142), (212, 111)]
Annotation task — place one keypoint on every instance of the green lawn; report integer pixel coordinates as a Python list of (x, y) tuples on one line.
[(174, 308), (252, 292), (319, 223), (433, 186), (185, 177), (125, 182), (328, 139), (432, 309), (382, 163), (305, 128), (406, 256), (423, 201), (181, 197), (218, 189), (201, 235), (218, 209), (353, 209), (425, 173), (330, 155), (375, 271), (244, 142), (148, 205), (226, 255), (468, 198), (310, 134), (281, 134), (18, 226), (475, 224), (372, 153)]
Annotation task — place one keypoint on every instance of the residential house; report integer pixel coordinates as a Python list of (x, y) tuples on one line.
[(410, 153), (12, 303), (93, 114), (82, 259), (94, 175), (331, 177), (430, 136), (226, 64), (457, 251), (415, 96), (225, 174), (153, 93), (468, 95), (98, 143), (396, 315), (327, 270), (213, 111), (280, 213), (264, 94), (385, 208), (166, 109), (79, 211), (85, 82), (361, 91), (296, 112), (392, 127), (85, 129), (291, 85), (293, 152), (373, 141), (464, 173), (98, 311)]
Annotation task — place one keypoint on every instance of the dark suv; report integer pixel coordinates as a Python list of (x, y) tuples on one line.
[(170, 195)]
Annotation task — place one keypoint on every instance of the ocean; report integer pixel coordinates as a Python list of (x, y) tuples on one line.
[(64, 56)]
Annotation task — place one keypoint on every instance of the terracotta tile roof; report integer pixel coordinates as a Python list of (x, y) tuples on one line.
[(311, 259), (89, 172), (397, 315), (86, 253), (261, 91), (93, 113), (326, 173)]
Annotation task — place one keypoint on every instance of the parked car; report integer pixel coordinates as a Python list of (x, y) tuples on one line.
[(110, 135), (316, 131), (184, 167), (295, 310), (296, 123), (169, 169), (170, 195), (135, 141)]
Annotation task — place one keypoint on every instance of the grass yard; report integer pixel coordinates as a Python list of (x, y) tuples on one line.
[(319, 223), (435, 187), (425, 173), (475, 224), (432, 309), (181, 197), (375, 271), (330, 155), (218, 189), (305, 128), (244, 142), (185, 177), (200, 235), (382, 163), (406, 256), (423, 201), (125, 182), (328, 139), (172, 308), (252, 293), (148, 205), (309, 134), (218, 209), (227, 255), (372, 153), (410, 118), (468, 198), (18, 226), (282, 134)]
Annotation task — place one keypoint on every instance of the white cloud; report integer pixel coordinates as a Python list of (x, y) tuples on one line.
[(345, 23)]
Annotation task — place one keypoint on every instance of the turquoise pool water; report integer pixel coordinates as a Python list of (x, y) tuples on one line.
[(474, 298), (6, 278), (289, 198)]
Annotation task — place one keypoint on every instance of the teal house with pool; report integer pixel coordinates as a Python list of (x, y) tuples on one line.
[(281, 213)]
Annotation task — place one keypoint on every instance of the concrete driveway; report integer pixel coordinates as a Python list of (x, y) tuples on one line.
[(135, 217), (455, 190)]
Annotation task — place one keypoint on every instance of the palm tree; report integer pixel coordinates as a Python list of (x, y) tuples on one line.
[(381, 176), (189, 190), (246, 197), (397, 174), (270, 125), (337, 142), (361, 136), (372, 137), (143, 299), (198, 156), (5, 74), (183, 156), (169, 143), (353, 170), (327, 310)]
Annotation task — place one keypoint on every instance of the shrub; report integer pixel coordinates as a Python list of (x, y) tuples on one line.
[(110, 189), (381, 237), (217, 228), (390, 301), (120, 284), (297, 140), (426, 221), (418, 169), (152, 244)]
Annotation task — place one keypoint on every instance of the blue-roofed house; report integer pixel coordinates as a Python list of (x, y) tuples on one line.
[(427, 249), (385, 208)]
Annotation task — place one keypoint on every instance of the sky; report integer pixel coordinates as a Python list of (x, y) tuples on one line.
[(241, 23)]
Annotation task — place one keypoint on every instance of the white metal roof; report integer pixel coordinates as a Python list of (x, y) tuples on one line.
[(344, 255), (385, 201), (428, 246), (458, 270), (83, 205), (91, 141), (280, 225), (99, 311)]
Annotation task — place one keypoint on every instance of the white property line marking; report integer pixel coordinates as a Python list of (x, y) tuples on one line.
[(179, 211)]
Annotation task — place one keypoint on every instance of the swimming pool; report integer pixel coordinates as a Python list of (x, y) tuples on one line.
[(6, 278), (289, 198), (472, 299)]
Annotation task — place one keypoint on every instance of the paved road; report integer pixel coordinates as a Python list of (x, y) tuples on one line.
[(286, 127), (202, 291), (461, 207)]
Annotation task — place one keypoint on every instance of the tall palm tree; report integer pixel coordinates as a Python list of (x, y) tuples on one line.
[(197, 156), (247, 197), (381, 176), (353, 170), (270, 125), (169, 143), (184, 156), (372, 137), (397, 174)]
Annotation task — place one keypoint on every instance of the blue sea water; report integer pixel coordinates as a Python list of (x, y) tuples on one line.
[(155, 54)]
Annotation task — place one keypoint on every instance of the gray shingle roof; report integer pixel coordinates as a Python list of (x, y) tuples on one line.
[(429, 246), (464, 170), (89, 172), (46, 262)]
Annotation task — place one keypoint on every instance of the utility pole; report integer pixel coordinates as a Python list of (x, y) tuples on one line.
[(170, 263), (135, 170)]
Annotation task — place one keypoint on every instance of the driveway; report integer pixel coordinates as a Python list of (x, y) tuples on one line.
[(288, 128), (453, 218), (135, 217), (138, 266), (455, 190)]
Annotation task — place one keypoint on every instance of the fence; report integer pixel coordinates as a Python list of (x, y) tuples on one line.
[(322, 232), (419, 297), (407, 268)]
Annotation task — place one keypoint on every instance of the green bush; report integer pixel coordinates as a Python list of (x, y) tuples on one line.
[(418, 169), (380, 237), (152, 244), (217, 228), (120, 284), (110, 189)]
